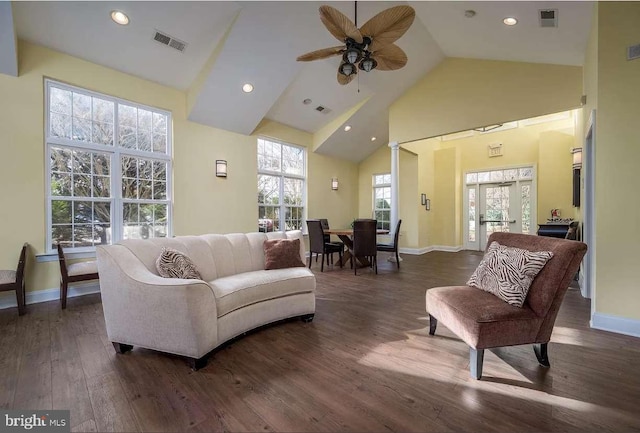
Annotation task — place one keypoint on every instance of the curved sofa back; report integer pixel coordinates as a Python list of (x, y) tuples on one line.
[(215, 256)]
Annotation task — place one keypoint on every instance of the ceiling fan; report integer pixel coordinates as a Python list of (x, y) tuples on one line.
[(367, 48)]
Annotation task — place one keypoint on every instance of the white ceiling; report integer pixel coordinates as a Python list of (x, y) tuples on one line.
[(258, 42)]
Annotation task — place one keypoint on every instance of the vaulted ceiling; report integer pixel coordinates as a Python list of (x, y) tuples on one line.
[(232, 43)]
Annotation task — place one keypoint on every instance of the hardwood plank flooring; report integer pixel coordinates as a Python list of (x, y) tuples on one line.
[(366, 363)]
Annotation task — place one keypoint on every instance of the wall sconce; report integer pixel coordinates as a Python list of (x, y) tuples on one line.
[(334, 184), (424, 201), (577, 157), (221, 168)]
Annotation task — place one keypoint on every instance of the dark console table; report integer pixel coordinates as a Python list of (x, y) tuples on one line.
[(553, 230)]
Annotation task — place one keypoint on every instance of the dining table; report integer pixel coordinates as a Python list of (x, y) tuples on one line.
[(346, 236)]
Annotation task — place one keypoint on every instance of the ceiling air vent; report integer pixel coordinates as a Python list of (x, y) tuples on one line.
[(633, 52), (323, 110), (170, 41), (548, 18)]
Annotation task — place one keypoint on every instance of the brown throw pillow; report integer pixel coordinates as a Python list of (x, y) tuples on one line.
[(174, 264), (508, 272), (282, 253)]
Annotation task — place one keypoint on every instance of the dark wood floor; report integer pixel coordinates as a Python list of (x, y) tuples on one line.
[(366, 363)]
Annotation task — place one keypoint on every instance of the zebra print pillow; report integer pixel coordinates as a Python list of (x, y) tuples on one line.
[(508, 272), (174, 264)]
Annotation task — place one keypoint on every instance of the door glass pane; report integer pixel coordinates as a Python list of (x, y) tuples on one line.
[(497, 209), (472, 215), (526, 209), (472, 177)]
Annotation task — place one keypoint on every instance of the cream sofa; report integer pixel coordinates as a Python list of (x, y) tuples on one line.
[(193, 317)]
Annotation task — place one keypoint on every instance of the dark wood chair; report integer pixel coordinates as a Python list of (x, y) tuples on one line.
[(318, 245), (364, 242), (73, 273), (14, 280), (392, 248)]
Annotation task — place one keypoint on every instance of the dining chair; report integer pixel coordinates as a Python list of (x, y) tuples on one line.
[(364, 242), (73, 273), (14, 280), (392, 248), (327, 237), (318, 245)]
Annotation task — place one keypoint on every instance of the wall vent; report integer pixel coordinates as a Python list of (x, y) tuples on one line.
[(633, 52), (548, 17), (169, 41)]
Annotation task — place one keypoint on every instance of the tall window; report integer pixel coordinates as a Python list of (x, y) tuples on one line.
[(382, 200), (108, 168), (281, 186)]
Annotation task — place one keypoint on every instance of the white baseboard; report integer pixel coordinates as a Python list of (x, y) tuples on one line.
[(9, 300), (447, 249), (620, 325), (415, 251), (419, 251)]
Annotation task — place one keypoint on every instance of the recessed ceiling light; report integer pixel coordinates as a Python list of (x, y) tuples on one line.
[(373, 138), (510, 21), (469, 13), (247, 88), (347, 128), (120, 17), (307, 101)]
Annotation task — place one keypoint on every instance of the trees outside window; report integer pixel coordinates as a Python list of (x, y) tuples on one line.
[(382, 200), (281, 186), (108, 170)]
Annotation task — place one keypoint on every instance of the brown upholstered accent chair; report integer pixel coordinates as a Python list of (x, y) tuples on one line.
[(364, 243), (14, 280), (484, 321), (73, 273), (392, 248), (318, 245)]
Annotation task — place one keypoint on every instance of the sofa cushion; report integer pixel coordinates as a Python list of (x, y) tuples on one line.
[(282, 253), (481, 319), (508, 272), (173, 264), (237, 291)]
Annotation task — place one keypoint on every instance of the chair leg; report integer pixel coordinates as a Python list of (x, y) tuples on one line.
[(340, 259), (476, 356), (322, 263), (541, 353), (375, 263), (310, 259), (433, 324), (20, 298), (397, 259), (64, 286)]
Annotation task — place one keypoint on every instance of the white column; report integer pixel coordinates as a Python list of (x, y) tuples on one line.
[(395, 189)]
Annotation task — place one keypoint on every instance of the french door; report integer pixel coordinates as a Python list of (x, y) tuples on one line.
[(498, 206)]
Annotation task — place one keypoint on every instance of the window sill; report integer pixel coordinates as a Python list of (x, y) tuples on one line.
[(53, 257)]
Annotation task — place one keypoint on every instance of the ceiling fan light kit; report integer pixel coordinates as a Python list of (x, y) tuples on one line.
[(368, 47)]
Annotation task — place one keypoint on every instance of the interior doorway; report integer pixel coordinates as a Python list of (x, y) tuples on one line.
[(498, 201)]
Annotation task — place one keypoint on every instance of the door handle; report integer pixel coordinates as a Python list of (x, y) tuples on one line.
[(484, 221)]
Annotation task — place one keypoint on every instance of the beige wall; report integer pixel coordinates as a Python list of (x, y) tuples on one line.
[(461, 94), (442, 164), (202, 202), (617, 155)]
